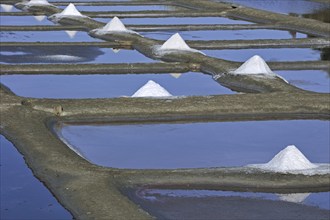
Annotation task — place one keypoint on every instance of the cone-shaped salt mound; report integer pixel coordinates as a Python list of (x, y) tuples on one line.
[(39, 2), (115, 25), (70, 10), (175, 43), (288, 159), (254, 65), (151, 89)]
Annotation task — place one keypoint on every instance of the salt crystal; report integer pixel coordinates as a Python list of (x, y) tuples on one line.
[(151, 89)]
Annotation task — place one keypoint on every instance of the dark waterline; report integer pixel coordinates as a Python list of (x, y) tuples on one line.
[(22, 195)]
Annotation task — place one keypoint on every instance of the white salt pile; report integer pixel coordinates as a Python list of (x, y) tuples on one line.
[(293, 197), (291, 160), (151, 89), (6, 8), (115, 25), (31, 3), (38, 2), (255, 66), (175, 42), (69, 11)]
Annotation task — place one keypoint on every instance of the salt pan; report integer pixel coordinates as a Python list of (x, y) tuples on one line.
[(151, 89), (175, 42), (255, 66)]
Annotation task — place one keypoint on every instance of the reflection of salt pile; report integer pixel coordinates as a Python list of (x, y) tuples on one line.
[(288, 159), (6, 8), (115, 25), (151, 89), (293, 197), (39, 17), (71, 34), (255, 66), (175, 42), (176, 75)]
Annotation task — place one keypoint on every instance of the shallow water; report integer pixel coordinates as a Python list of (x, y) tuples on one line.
[(177, 20), (22, 195), (312, 80), (136, 8), (70, 54), (320, 200), (25, 20), (221, 144), (299, 7), (208, 204), (45, 36), (225, 34), (269, 54), (108, 86)]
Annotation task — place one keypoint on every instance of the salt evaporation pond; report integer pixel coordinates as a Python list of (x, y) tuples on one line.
[(193, 145), (109, 86), (208, 204), (177, 20), (70, 54), (269, 54), (45, 36), (22, 195), (225, 34), (25, 20), (134, 8), (312, 80), (300, 7)]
